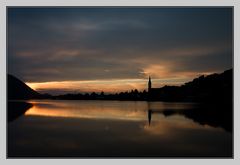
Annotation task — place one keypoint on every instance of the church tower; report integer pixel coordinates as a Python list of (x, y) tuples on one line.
[(149, 84)]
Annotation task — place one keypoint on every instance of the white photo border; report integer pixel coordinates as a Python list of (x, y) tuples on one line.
[(174, 3)]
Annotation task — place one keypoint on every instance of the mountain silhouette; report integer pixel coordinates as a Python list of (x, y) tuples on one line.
[(18, 90), (211, 88), (214, 88)]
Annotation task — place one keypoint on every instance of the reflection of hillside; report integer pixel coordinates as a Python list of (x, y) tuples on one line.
[(212, 115), (16, 109), (216, 116)]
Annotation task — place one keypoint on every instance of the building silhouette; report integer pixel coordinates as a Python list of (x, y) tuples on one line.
[(153, 93), (149, 84)]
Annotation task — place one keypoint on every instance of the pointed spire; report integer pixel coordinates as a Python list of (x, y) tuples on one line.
[(149, 84), (149, 78)]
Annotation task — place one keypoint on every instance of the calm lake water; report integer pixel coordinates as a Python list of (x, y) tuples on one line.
[(113, 128)]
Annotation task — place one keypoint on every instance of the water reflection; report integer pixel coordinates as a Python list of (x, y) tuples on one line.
[(16, 109), (127, 110), (132, 111), (113, 128), (171, 126), (86, 109)]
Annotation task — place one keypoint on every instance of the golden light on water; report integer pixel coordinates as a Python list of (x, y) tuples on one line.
[(117, 111), (87, 110)]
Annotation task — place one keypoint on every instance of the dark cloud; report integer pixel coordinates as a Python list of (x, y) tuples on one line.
[(54, 44)]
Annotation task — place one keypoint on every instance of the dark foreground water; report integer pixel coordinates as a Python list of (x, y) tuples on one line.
[(114, 129)]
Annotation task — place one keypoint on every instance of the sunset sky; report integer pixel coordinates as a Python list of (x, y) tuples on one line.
[(68, 50)]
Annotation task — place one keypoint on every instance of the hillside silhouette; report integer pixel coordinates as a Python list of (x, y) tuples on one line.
[(211, 88), (18, 90)]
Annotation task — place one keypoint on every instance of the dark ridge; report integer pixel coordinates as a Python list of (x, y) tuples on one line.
[(17, 90), (213, 88)]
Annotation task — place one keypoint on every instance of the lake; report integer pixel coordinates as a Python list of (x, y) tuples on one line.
[(87, 128)]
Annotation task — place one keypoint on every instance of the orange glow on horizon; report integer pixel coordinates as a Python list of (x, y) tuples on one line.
[(160, 76), (109, 86), (91, 85)]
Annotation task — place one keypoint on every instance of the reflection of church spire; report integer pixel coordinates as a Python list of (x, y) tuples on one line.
[(149, 84), (149, 116)]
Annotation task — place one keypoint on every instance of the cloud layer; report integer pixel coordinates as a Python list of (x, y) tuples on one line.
[(88, 44)]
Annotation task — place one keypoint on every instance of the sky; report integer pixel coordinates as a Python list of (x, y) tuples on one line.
[(71, 50)]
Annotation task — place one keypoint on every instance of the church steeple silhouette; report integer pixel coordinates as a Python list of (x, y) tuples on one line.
[(149, 84)]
